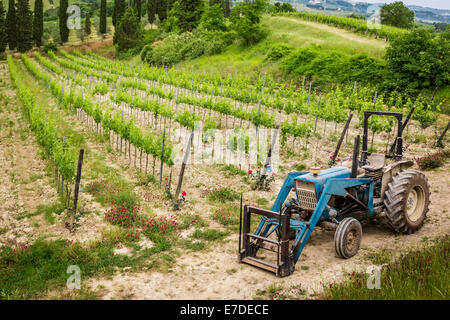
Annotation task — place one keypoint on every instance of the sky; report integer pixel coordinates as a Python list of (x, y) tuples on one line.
[(439, 4)]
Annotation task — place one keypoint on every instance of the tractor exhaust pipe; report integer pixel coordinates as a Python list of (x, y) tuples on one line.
[(355, 158)]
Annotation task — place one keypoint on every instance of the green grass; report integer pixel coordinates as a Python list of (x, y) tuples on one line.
[(221, 194), (291, 31), (27, 273), (417, 274), (209, 234), (46, 209)]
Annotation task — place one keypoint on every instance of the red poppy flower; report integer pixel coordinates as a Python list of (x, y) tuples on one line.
[(250, 171), (183, 193)]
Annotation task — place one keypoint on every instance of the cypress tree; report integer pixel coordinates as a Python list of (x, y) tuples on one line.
[(226, 8), (3, 34), (151, 10), (119, 10), (138, 6), (161, 7), (114, 13), (38, 23), (24, 26), (129, 30), (11, 25), (63, 16), (103, 16), (87, 24)]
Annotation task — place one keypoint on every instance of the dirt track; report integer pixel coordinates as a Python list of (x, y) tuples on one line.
[(217, 274)]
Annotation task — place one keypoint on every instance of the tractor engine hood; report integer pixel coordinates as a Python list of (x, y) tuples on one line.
[(320, 179)]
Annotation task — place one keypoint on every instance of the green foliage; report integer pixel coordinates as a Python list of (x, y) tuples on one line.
[(432, 161), (332, 65), (213, 19), (246, 21), (397, 14), (227, 215), (278, 51), (261, 181), (418, 60), (63, 16), (209, 234), (129, 32), (63, 154), (152, 10), (87, 25), (50, 46), (103, 16), (184, 15), (3, 33), (185, 46), (220, 194), (416, 275), (24, 26), (38, 23), (11, 25), (27, 272), (118, 12), (350, 23), (138, 7)]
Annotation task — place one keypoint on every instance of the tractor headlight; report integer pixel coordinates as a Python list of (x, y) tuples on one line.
[(314, 170)]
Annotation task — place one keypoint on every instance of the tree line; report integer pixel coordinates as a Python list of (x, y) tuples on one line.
[(21, 28)]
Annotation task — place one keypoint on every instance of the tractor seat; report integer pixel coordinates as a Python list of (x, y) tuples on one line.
[(375, 162)]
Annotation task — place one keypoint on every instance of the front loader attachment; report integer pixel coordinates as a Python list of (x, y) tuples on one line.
[(252, 242)]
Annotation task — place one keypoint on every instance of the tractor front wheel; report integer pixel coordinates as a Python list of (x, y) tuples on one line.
[(406, 201), (347, 238)]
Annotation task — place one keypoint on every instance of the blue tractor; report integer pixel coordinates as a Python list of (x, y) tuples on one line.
[(337, 198)]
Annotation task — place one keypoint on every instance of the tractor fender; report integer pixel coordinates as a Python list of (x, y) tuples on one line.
[(391, 170)]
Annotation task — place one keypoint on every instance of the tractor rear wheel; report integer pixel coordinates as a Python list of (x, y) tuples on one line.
[(347, 238), (406, 201)]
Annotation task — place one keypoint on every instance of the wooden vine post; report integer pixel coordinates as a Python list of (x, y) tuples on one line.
[(183, 165), (77, 184), (439, 142)]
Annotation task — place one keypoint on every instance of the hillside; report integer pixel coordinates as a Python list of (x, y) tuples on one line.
[(290, 31)]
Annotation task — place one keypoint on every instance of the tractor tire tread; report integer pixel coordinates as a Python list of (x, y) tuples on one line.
[(395, 198)]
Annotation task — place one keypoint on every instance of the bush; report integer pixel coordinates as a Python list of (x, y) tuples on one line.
[(431, 161), (220, 194), (418, 60), (278, 51), (187, 45), (129, 32), (50, 46), (332, 65)]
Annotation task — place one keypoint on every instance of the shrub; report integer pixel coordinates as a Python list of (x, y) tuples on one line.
[(278, 51), (187, 45), (333, 65), (220, 194), (50, 46), (431, 161), (261, 181)]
